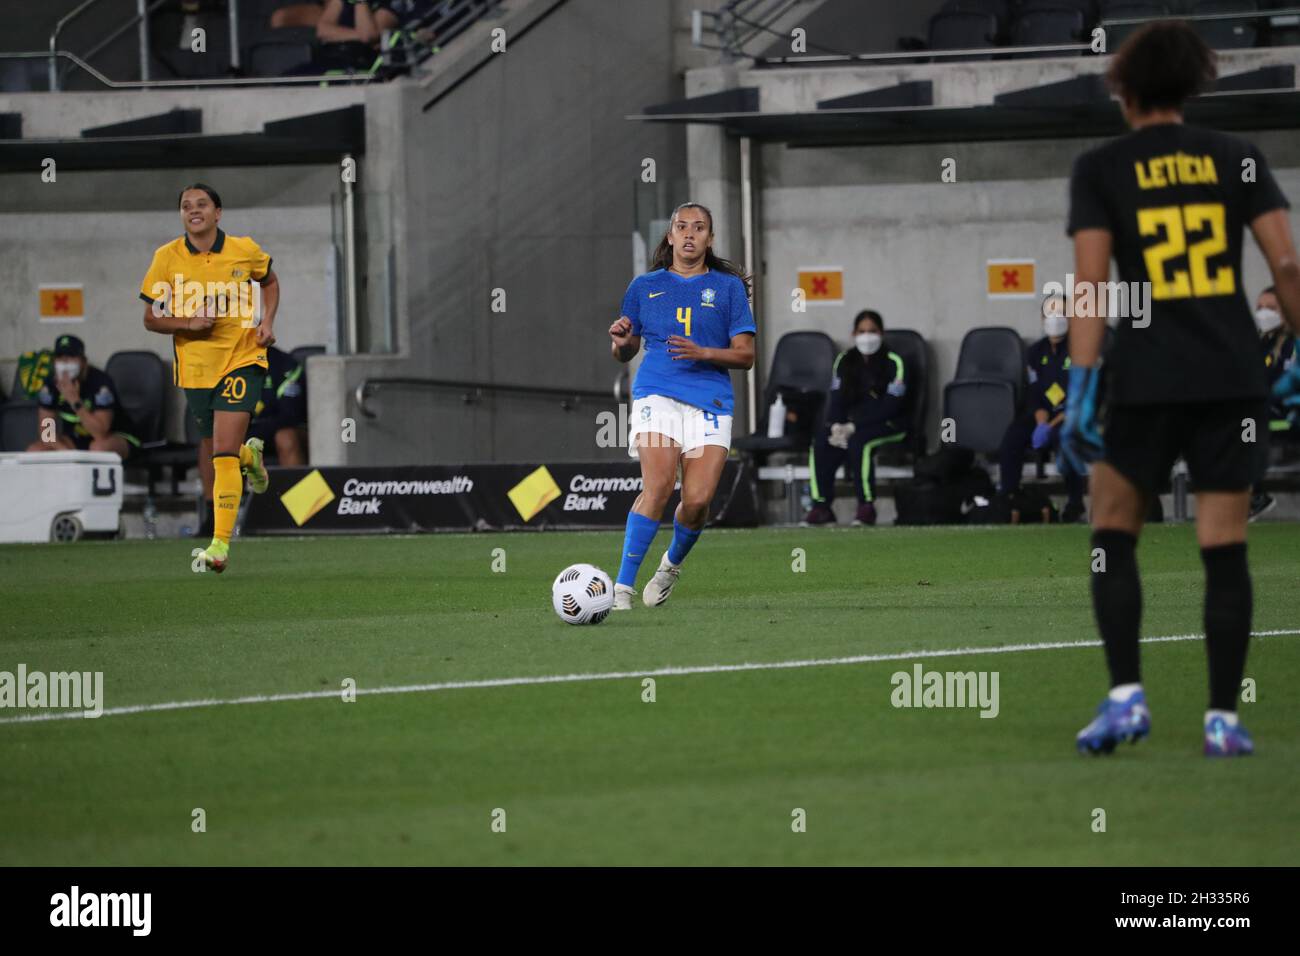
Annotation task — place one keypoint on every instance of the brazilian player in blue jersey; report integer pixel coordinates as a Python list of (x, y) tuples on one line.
[(692, 314)]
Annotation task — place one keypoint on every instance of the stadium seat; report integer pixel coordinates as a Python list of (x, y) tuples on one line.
[(179, 459), (277, 52), (1129, 10), (1226, 34), (987, 388), (301, 353), (915, 353), (17, 425), (1000, 9), (962, 30), (995, 353), (1041, 24), (803, 363), (141, 380), (982, 409)]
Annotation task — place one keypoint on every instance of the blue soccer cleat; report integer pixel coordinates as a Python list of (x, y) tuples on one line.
[(1116, 720), (1223, 740)]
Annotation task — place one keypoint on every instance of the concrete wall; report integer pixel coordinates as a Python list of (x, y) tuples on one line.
[(915, 249), (100, 228), (524, 178)]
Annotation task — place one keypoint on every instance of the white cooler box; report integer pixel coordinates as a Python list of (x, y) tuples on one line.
[(59, 495)]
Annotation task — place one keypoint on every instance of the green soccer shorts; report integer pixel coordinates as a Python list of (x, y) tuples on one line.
[(239, 391)]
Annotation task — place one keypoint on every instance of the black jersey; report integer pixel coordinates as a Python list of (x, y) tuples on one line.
[(98, 392), (1176, 200)]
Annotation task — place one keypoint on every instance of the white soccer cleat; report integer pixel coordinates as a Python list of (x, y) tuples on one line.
[(623, 597), (661, 585)]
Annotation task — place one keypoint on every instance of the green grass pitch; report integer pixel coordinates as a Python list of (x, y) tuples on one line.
[(586, 772)]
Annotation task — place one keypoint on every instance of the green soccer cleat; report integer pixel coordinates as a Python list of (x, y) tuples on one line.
[(256, 474), (216, 555)]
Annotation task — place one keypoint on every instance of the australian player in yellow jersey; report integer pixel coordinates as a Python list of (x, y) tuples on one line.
[(199, 291)]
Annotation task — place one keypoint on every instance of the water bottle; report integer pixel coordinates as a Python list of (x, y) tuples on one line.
[(150, 517), (776, 418)]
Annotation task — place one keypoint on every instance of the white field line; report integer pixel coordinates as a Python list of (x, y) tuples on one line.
[(612, 675)]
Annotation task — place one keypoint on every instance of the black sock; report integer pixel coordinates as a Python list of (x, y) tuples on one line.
[(1117, 602), (1228, 606)]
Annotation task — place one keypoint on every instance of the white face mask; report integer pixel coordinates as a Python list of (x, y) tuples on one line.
[(868, 343), (1268, 319), (67, 369), (1055, 325)]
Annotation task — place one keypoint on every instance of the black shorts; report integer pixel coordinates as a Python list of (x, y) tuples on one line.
[(82, 442), (1142, 443)]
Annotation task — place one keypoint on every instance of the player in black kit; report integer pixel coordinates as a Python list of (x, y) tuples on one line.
[(1170, 202)]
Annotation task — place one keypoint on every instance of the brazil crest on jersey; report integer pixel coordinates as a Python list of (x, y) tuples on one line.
[(708, 309)]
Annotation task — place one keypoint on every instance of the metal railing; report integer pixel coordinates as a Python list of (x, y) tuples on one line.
[(409, 46), (177, 84), (473, 392), (722, 23), (738, 23), (140, 20)]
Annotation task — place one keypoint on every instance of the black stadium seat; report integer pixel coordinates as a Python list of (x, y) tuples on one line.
[(1226, 34), (995, 352), (984, 394), (141, 379), (1129, 10), (1043, 24), (301, 353), (279, 51), (802, 364), (17, 425), (981, 409), (962, 30), (1000, 10)]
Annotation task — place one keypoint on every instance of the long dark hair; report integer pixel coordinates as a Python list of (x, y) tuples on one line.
[(854, 363), (663, 257)]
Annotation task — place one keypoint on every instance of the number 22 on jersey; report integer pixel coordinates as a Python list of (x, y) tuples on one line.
[(1175, 222)]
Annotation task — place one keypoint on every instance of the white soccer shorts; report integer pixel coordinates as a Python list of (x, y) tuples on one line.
[(687, 425)]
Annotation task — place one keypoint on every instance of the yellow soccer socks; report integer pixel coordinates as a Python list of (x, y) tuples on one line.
[(227, 489)]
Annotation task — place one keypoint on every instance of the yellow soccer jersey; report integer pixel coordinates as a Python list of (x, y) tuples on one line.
[(218, 283)]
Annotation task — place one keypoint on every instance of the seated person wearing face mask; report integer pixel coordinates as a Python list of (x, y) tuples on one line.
[(866, 409), (79, 408), (1278, 345), (1039, 426)]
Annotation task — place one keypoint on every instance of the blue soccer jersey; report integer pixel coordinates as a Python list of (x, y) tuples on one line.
[(708, 309)]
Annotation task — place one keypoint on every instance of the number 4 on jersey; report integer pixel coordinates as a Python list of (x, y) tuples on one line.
[(684, 317)]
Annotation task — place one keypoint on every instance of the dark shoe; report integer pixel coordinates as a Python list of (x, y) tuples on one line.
[(1260, 503), (866, 514), (818, 514), (1074, 512)]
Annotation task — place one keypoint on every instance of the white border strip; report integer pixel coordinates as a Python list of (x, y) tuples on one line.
[(612, 675)]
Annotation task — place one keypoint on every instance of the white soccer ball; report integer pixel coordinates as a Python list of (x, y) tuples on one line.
[(582, 594)]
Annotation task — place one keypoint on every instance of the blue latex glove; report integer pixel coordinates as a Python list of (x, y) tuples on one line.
[(1042, 435), (1080, 435), (1287, 388)]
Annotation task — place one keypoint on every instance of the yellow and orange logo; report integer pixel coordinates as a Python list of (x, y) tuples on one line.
[(307, 497), (534, 493)]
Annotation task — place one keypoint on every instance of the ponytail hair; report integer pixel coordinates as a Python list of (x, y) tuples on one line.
[(663, 255)]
